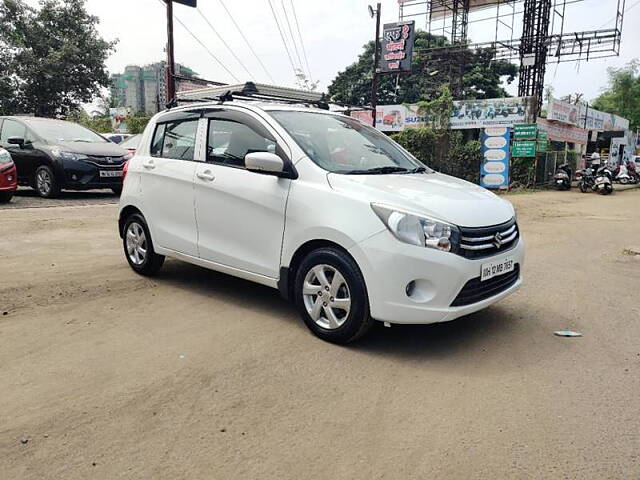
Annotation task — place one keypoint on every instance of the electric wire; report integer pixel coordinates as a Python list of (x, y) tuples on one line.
[(293, 40), (304, 51), (293, 68), (233, 20), (625, 12), (203, 45), (251, 77)]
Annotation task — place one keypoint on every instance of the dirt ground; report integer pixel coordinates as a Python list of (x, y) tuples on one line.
[(194, 374)]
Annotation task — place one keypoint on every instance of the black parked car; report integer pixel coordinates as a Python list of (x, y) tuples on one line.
[(53, 154)]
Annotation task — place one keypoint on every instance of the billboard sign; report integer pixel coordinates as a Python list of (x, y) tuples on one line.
[(560, 132), (390, 118), (397, 47), (494, 112), (494, 169), (188, 3), (583, 116)]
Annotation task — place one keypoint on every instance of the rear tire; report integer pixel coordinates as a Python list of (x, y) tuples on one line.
[(45, 182), (5, 197), (138, 247), (331, 296)]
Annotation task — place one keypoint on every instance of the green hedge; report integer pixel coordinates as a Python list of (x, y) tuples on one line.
[(444, 151)]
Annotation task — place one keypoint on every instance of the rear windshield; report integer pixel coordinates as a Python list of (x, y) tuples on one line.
[(61, 131), (342, 144)]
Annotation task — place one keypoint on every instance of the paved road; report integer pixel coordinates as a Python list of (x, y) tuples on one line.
[(195, 374)]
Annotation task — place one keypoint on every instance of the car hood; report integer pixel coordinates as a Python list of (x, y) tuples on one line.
[(96, 149), (434, 195)]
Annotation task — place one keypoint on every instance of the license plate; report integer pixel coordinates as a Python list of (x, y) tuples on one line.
[(493, 269), (110, 173)]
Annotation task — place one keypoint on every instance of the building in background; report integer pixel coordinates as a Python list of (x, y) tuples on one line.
[(142, 89)]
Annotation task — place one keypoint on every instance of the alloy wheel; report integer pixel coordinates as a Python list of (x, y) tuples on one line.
[(136, 241), (44, 181), (326, 296)]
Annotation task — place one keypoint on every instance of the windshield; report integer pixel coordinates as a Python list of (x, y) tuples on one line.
[(342, 144), (61, 131)]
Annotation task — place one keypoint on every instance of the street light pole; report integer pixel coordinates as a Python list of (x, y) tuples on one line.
[(376, 58), (171, 68)]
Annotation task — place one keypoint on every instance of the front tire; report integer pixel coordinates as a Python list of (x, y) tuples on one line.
[(583, 187), (45, 182), (331, 296), (138, 247)]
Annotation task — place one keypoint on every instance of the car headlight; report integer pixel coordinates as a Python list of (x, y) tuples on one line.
[(128, 156), (416, 229), (58, 153), (5, 157)]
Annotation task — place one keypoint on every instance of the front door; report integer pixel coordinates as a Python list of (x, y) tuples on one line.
[(167, 184), (240, 214)]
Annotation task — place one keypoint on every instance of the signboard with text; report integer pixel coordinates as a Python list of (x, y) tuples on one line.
[(524, 148), (397, 47), (494, 169), (584, 116), (525, 131)]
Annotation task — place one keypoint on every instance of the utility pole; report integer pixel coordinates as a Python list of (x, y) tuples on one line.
[(171, 67), (376, 58)]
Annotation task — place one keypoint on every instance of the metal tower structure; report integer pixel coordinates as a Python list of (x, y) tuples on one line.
[(542, 39)]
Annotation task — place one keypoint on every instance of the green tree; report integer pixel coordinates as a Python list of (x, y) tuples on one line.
[(137, 123), (52, 59), (481, 76), (622, 95)]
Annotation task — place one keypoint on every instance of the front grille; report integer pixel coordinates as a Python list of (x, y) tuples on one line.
[(105, 161), (487, 241), (475, 291)]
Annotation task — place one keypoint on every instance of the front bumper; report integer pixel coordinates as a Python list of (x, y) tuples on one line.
[(8, 177), (81, 175), (388, 266)]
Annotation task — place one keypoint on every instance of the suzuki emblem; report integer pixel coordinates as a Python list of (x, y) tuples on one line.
[(497, 240)]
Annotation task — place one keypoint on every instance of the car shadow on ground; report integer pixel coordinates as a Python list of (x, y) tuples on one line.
[(495, 324), (68, 194)]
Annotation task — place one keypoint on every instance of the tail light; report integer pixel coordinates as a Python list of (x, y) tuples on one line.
[(125, 167)]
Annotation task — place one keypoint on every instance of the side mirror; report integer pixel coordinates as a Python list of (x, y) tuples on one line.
[(264, 162), (16, 141)]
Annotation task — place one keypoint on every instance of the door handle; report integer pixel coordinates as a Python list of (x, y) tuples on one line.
[(206, 175), (149, 164)]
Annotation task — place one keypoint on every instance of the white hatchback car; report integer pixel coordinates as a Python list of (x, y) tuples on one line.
[(338, 217)]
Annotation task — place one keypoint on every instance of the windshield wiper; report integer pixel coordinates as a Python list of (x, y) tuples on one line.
[(376, 170), (418, 170)]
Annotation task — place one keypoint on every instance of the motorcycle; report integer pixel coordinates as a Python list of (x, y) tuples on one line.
[(562, 178), (633, 172)]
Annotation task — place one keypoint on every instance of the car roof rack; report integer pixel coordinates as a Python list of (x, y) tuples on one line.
[(254, 91)]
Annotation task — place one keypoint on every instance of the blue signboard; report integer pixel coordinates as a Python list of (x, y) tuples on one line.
[(494, 170)]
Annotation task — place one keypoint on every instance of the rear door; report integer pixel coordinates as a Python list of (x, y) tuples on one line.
[(167, 182), (240, 214), (26, 158)]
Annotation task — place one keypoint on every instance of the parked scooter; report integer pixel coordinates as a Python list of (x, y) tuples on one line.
[(600, 182), (621, 175), (562, 178), (632, 171)]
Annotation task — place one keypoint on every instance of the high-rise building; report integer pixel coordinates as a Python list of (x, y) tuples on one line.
[(143, 89)]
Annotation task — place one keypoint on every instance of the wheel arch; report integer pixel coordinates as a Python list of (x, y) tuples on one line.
[(124, 214), (288, 274)]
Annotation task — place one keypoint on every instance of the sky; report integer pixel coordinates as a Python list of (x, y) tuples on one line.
[(333, 33)]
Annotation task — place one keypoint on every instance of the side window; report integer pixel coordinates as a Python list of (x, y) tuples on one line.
[(175, 140), (11, 128), (229, 140)]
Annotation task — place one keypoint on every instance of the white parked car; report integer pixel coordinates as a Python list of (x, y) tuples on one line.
[(341, 219)]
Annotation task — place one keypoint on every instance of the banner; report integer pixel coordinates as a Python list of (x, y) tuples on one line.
[(560, 132), (494, 170), (583, 116), (390, 118), (397, 47), (492, 112)]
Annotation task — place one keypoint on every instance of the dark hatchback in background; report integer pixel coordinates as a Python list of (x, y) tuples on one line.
[(51, 155)]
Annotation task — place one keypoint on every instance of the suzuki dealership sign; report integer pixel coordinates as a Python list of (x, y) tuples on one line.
[(494, 170), (397, 47), (498, 112)]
